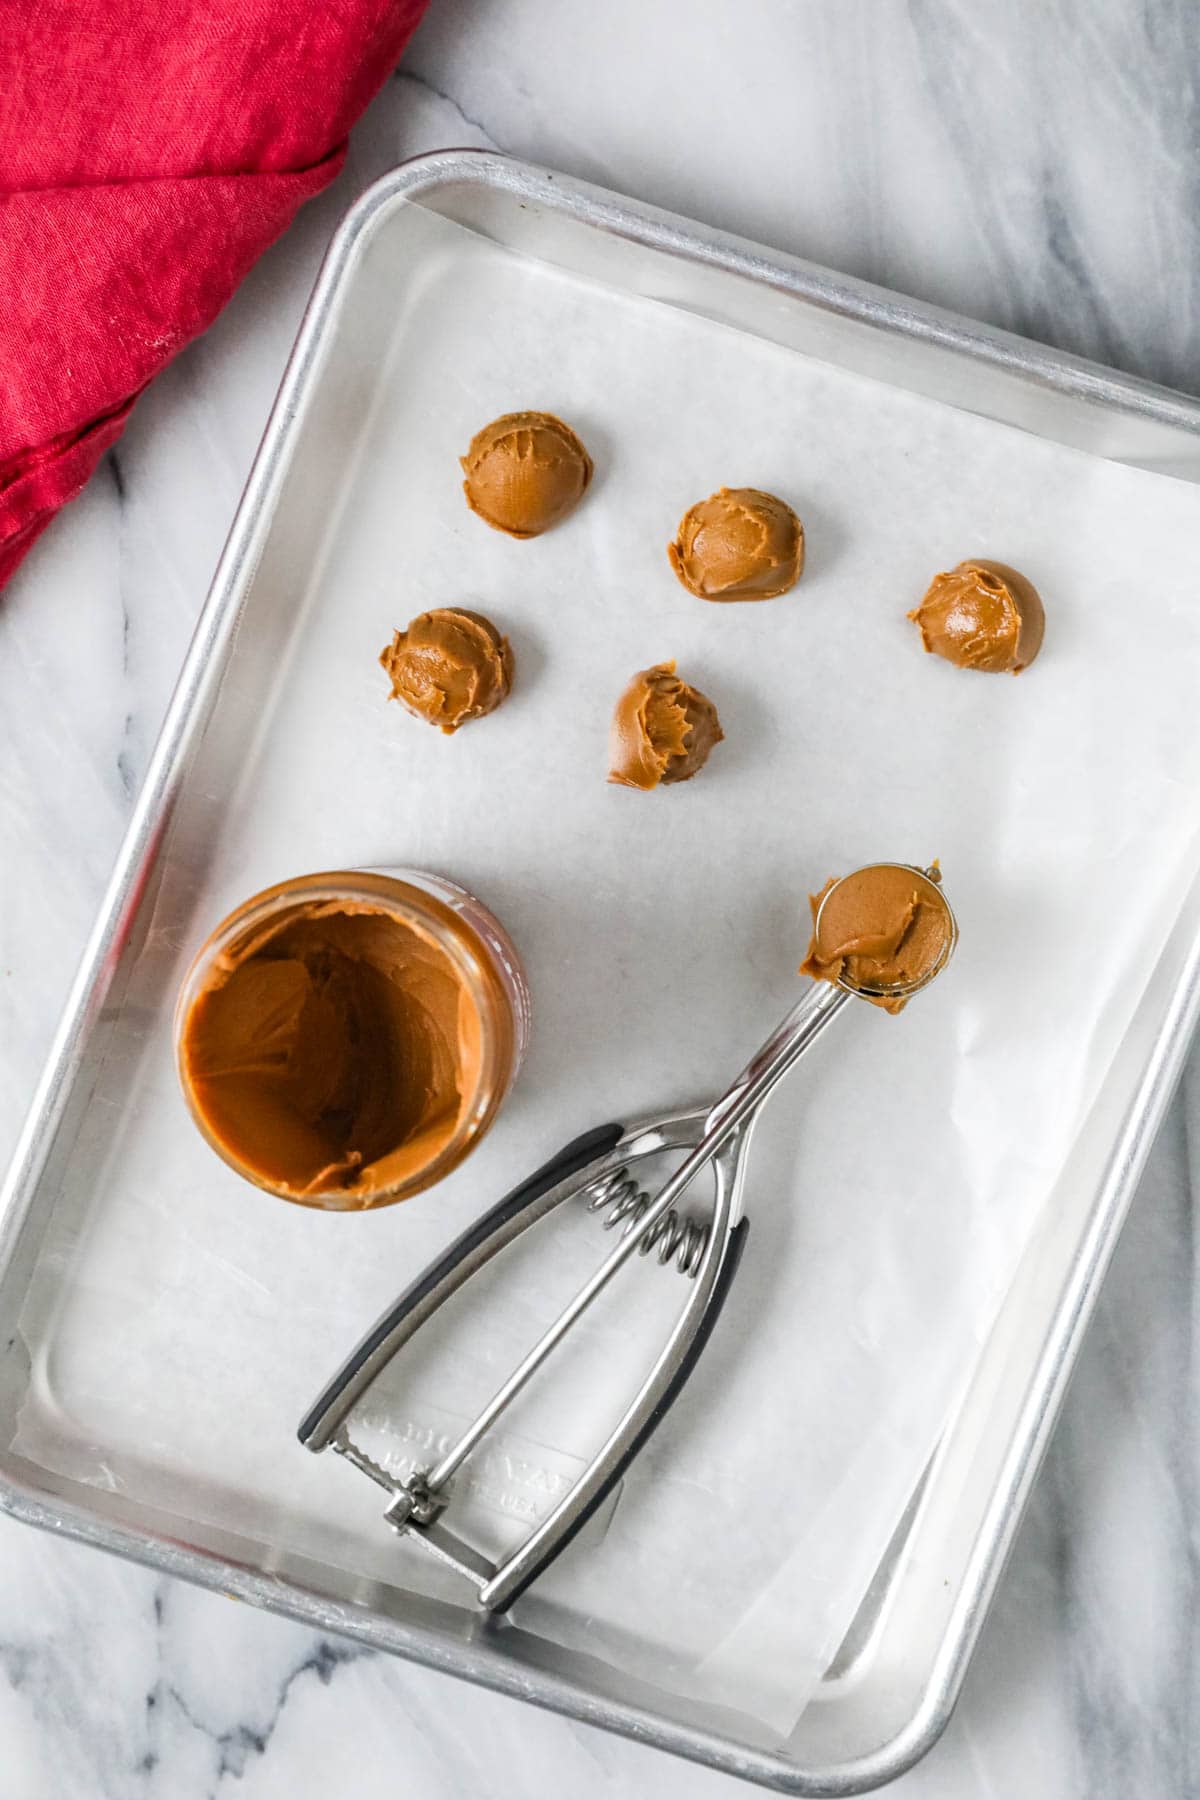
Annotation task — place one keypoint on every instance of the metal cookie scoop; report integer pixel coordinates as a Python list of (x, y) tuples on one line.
[(597, 1166)]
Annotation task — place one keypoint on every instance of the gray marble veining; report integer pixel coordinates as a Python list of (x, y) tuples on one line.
[(1034, 165)]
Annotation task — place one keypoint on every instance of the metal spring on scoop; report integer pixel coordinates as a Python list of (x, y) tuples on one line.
[(675, 1238)]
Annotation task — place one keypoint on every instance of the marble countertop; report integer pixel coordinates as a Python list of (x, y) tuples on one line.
[(1033, 166)]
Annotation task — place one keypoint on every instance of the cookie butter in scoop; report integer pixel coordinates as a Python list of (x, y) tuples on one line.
[(739, 544), (344, 1039), (524, 472), (662, 730), (982, 615), (884, 932), (449, 666)]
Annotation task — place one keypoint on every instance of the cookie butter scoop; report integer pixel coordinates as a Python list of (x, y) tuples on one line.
[(524, 472), (449, 666), (662, 730), (982, 615), (883, 932), (739, 544)]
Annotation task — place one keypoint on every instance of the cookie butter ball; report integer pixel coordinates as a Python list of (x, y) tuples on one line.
[(884, 932), (982, 615), (739, 544), (524, 472), (449, 666), (662, 730)]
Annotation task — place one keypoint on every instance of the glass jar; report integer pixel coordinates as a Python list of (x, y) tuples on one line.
[(344, 1039)]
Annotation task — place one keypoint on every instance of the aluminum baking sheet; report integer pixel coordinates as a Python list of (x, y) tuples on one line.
[(661, 935)]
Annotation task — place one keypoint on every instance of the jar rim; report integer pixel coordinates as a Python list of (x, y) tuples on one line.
[(430, 917)]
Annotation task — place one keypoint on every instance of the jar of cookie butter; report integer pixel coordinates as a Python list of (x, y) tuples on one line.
[(343, 1040)]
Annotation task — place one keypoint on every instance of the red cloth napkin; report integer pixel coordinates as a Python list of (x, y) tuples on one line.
[(148, 155)]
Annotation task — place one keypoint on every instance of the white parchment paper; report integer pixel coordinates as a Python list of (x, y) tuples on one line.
[(181, 1323)]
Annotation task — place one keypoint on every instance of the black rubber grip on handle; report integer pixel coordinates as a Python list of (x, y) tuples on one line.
[(569, 1160), (737, 1243)]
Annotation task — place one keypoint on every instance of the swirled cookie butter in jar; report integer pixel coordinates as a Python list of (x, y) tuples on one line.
[(344, 1039)]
